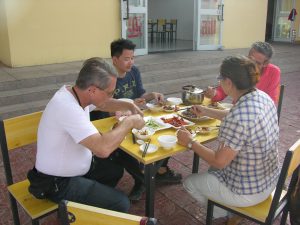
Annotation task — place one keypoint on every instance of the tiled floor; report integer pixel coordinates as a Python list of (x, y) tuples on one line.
[(178, 45), (173, 206)]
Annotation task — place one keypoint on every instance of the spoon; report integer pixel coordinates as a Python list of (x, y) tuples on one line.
[(140, 142)]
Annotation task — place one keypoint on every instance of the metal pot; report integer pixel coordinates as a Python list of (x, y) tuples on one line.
[(192, 95)]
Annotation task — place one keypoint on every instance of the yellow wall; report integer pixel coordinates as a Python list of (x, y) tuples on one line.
[(43, 31), (4, 42), (297, 21), (244, 22)]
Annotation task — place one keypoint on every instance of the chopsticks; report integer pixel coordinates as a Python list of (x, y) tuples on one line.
[(133, 138), (146, 148), (184, 108)]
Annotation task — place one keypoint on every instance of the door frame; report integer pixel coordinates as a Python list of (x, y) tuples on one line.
[(276, 11), (198, 12), (126, 9)]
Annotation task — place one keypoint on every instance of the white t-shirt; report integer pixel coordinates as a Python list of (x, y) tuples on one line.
[(63, 125)]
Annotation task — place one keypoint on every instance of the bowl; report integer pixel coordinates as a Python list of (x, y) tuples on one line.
[(144, 133), (167, 141), (153, 107), (174, 101)]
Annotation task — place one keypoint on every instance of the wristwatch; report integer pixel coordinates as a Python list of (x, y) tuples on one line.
[(190, 144)]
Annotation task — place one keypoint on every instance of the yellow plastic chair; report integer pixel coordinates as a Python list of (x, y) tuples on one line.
[(280, 99), (171, 30), (267, 211), (161, 29), (80, 214), (15, 133)]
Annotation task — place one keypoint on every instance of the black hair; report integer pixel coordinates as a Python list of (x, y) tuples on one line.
[(117, 46)]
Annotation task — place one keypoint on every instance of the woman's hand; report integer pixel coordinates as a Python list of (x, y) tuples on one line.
[(199, 110), (184, 136)]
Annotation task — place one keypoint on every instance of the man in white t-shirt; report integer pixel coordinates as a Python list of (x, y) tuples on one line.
[(67, 141)]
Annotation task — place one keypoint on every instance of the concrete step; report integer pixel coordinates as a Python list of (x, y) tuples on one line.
[(23, 95), (175, 86), (24, 90), (180, 73), (35, 81), (22, 108)]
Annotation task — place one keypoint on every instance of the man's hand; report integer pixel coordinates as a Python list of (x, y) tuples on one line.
[(135, 109), (140, 102), (158, 97), (210, 92), (135, 121)]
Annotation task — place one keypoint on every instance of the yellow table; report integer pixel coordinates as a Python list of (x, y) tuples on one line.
[(153, 161)]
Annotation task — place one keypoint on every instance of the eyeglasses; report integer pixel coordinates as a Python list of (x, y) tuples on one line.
[(109, 94), (264, 63), (220, 77)]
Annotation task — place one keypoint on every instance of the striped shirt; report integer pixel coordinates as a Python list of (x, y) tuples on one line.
[(251, 128)]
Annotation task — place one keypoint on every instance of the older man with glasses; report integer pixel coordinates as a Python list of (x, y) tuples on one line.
[(269, 82), (67, 141)]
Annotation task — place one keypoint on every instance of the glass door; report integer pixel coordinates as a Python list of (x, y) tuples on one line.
[(134, 24), (208, 24), (283, 26)]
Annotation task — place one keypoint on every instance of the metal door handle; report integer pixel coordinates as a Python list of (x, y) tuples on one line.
[(127, 10), (221, 12)]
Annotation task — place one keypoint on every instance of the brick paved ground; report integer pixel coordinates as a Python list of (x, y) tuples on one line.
[(173, 206)]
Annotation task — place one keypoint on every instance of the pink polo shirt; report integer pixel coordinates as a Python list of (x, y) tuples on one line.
[(269, 83)]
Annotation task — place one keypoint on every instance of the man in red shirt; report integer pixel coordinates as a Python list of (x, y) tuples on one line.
[(261, 53)]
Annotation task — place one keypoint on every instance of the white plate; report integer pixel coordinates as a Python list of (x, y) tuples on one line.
[(153, 107), (197, 119), (202, 129), (160, 125), (151, 148), (188, 123)]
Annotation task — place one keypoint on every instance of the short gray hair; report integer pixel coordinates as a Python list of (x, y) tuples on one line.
[(264, 48), (95, 71)]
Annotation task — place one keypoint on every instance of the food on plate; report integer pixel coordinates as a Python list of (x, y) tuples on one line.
[(170, 108), (144, 133), (189, 114), (201, 130), (213, 105), (152, 124), (175, 121), (218, 105)]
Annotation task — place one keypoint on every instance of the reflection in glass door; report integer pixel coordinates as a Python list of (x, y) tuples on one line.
[(208, 24), (283, 26), (134, 26)]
